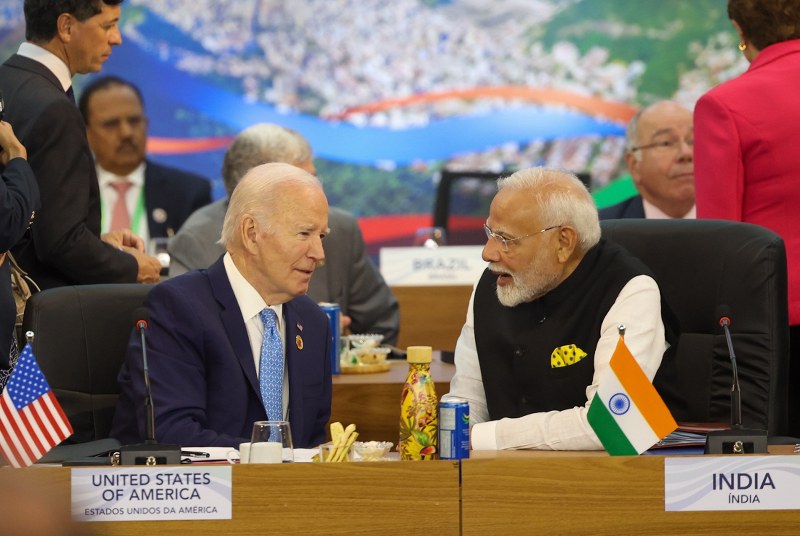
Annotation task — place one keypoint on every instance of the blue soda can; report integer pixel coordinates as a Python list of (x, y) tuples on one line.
[(333, 311), (454, 430)]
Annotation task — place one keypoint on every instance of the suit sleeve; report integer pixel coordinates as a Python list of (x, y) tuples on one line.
[(370, 304), (64, 168), (319, 431), (19, 197), (189, 250), (718, 166)]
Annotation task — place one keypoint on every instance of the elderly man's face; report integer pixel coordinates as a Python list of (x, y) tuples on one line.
[(663, 168), (529, 268), (289, 252)]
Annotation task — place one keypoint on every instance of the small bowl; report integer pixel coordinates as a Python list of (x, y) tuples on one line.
[(371, 451), (366, 340), (372, 356)]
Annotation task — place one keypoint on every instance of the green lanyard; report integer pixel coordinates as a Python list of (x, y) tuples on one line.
[(138, 210)]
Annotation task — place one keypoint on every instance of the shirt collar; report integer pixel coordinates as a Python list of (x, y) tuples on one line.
[(574, 280), (55, 64), (250, 301), (652, 212), (136, 176)]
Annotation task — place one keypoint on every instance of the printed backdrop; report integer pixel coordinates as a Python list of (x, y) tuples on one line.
[(391, 92)]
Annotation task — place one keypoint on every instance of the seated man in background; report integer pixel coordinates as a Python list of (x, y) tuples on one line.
[(348, 276), (151, 199), (213, 332), (553, 288), (659, 155)]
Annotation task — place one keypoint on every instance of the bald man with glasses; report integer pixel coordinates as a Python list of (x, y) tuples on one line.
[(542, 320), (659, 156)]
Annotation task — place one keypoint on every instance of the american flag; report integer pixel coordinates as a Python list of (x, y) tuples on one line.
[(31, 420)]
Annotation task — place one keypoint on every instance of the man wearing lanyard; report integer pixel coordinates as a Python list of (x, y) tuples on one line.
[(151, 199)]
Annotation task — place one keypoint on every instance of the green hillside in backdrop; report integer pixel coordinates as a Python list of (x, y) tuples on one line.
[(657, 33)]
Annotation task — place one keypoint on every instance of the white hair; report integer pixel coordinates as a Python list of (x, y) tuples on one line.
[(259, 195), (562, 198)]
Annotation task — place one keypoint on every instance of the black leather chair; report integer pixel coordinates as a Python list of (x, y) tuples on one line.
[(462, 203), (701, 266), (81, 335)]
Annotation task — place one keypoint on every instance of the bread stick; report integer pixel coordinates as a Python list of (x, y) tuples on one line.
[(345, 437), (342, 453), (336, 431)]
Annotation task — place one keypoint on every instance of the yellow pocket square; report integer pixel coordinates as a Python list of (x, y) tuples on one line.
[(567, 355)]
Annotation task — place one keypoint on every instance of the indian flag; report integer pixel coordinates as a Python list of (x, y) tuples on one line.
[(627, 413)]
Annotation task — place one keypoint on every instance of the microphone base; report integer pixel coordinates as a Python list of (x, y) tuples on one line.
[(736, 440), (150, 454)]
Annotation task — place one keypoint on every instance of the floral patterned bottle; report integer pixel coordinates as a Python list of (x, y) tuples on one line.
[(419, 421)]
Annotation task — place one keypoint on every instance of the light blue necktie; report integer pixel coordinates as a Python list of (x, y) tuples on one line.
[(270, 367)]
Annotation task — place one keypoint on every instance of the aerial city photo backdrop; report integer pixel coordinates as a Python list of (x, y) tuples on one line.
[(391, 92)]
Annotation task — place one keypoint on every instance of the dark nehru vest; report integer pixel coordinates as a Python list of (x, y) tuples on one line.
[(515, 344)]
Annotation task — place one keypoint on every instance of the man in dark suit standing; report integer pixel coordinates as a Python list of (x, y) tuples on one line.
[(660, 141), (64, 246), (157, 199), (209, 343)]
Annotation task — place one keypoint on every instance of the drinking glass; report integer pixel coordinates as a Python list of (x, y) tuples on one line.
[(157, 247), (271, 442)]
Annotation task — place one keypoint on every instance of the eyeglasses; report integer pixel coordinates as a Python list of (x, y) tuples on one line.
[(672, 144), (506, 241)]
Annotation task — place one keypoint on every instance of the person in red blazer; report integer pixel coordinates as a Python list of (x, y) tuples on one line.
[(747, 134)]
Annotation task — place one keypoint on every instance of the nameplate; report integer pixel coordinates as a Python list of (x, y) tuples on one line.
[(151, 493), (421, 266), (732, 483)]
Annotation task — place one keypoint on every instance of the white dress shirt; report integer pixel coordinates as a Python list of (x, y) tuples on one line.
[(55, 64), (251, 304), (638, 307), (652, 212), (134, 199)]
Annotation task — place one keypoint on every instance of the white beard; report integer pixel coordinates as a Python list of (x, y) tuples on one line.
[(528, 286)]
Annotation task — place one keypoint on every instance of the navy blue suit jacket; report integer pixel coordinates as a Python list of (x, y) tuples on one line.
[(630, 208), (203, 376), (19, 197), (170, 197)]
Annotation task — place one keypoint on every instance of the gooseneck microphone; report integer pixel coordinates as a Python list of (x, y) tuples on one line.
[(737, 439), (149, 413), (736, 391), (150, 452)]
